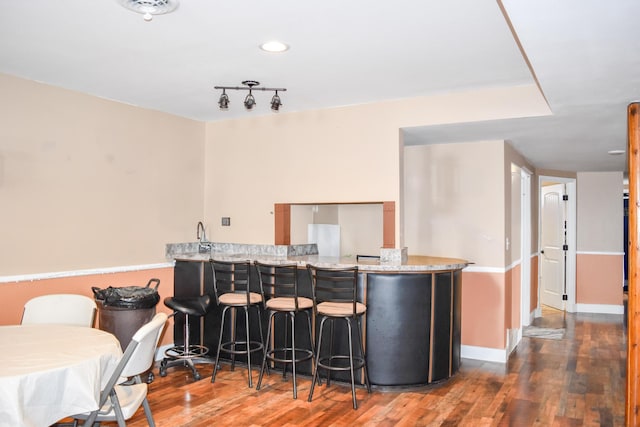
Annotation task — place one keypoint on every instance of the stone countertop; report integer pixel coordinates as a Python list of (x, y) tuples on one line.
[(413, 263)]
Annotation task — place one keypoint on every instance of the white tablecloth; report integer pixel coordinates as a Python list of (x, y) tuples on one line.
[(49, 372)]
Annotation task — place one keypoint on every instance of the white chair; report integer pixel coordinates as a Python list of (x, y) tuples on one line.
[(120, 400), (63, 309)]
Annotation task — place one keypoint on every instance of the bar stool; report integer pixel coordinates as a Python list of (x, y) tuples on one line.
[(335, 297), (279, 283), (187, 354), (231, 283)]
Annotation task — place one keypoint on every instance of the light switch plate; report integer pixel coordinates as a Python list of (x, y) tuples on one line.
[(226, 221)]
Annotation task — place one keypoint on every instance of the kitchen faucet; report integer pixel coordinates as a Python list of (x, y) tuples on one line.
[(204, 245), (201, 237)]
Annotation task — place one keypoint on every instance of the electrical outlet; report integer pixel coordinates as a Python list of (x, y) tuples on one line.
[(226, 221)]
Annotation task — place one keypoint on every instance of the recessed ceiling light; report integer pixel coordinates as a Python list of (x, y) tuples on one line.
[(274, 46), (615, 152)]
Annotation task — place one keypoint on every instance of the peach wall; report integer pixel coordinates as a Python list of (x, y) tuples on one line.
[(88, 183), (15, 294), (599, 278), (515, 274), (483, 309)]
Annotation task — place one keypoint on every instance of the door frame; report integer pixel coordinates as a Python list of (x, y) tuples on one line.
[(570, 267), (525, 250)]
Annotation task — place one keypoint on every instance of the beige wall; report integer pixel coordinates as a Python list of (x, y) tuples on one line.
[(362, 229), (360, 225), (349, 154), (90, 183), (454, 201), (600, 212)]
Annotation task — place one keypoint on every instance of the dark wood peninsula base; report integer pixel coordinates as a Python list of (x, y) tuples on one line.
[(411, 329)]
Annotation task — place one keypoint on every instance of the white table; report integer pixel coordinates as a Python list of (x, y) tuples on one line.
[(49, 372)]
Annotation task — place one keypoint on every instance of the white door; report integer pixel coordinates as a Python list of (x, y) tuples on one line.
[(552, 236)]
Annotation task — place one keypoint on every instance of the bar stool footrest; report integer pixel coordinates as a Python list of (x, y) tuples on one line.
[(327, 363), (305, 355), (188, 352), (230, 347)]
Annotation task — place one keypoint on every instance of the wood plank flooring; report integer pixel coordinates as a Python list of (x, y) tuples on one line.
[(576, 381)]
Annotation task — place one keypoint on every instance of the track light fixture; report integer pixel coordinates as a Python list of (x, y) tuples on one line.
[(275, 102), (223, 102), (249, 101)]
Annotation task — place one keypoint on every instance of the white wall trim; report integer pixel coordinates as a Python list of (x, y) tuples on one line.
[(599, 253), (483, 353), (537, 312), (514, 336), (484, 269), (599, 308), (88, 272), (513, 265), (480, 269)]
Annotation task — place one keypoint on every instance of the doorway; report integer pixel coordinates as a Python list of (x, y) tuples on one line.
[(557, 243)]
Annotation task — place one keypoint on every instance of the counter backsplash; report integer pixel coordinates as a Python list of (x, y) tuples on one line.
[(174, 250)]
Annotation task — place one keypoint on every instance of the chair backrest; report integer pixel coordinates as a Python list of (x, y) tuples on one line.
[(63, 309), (278, 280), (231, 277), (334, 284), (139, 354), (145, 342)]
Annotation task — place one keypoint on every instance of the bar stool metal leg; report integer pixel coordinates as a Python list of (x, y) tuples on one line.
[(217, 362)]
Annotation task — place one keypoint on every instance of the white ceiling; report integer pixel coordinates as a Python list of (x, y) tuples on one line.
[(584, 54)]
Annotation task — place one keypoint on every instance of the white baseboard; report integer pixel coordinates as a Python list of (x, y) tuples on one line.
[(513, 339), (160, 351), (600, 308), (484, 353)]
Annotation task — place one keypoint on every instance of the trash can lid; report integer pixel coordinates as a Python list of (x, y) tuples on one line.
[(128, 296)]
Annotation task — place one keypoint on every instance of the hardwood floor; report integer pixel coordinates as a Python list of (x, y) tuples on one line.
[(576, 381)]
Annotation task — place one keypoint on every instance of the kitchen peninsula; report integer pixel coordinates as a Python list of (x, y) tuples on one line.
[(412, 326)]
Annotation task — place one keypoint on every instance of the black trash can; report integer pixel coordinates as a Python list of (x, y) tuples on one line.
[(122, 311)]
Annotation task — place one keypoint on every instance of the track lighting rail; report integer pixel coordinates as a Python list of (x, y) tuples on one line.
[(250, 101)]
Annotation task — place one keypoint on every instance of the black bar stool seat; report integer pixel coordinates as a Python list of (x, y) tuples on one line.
[(187, 354)]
